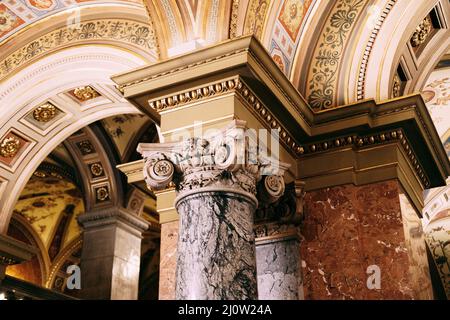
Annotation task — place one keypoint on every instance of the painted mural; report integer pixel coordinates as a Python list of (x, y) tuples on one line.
[(8, 20), (122, 129), (16, 14), (436, 95), (286, 31), (438, 239), (51, 203)]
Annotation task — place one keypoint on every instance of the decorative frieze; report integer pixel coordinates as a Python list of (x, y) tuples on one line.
[(237, 86)]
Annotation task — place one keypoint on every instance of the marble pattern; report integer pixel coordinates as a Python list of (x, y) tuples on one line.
[(278, 270), (346, 230), (416, 245), (168, 263), (217, 242)]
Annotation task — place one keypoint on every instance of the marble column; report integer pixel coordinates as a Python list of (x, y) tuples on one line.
[(216, 180), (110, 259), (278, 246)]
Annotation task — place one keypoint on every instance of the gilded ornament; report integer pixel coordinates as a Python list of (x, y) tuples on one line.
[(396, 87), (102, 193), (44, 113), (86, 147), (9, 147), (422, 32), (85, 93), (96, 169)]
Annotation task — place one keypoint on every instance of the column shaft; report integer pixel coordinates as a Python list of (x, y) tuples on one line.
[(279, 274), (216, 245), (111, 254)]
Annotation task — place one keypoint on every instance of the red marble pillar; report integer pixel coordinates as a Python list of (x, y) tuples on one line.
[(349, 228)]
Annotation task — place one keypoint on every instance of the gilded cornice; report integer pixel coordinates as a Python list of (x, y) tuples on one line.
[(357, 141), (235, 85), (222, 69), (129, 32)]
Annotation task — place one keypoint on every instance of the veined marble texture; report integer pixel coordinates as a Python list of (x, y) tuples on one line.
[(349, 228), (169, 237), (278, 266), (216, 249)]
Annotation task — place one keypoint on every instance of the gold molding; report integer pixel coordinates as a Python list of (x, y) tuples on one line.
[(234, 19), (364, 63), (356, 141), (235, 85)]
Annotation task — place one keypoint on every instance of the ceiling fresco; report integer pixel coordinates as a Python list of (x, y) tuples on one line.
[(286, 32), (123, 129), (51, 203), (17, 14), (436, 94), (437, 235)]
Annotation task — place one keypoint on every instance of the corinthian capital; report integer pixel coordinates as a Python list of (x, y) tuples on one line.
[(226, 161)]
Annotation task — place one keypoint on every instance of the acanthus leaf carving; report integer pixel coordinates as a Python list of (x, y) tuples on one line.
[(224, 161)]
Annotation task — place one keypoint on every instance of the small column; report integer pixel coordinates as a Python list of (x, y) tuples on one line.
[(111, 254), (216, 181), (278, 245)]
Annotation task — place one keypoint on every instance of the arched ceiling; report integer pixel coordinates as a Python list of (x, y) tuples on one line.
[(16, 15)]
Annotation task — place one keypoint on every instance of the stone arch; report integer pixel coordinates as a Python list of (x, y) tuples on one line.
[(359, 65), (41, 260), (51, 79)]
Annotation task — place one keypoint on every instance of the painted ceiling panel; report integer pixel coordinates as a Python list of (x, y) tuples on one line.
[(122, 129), (17, 14), (43, 202)]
